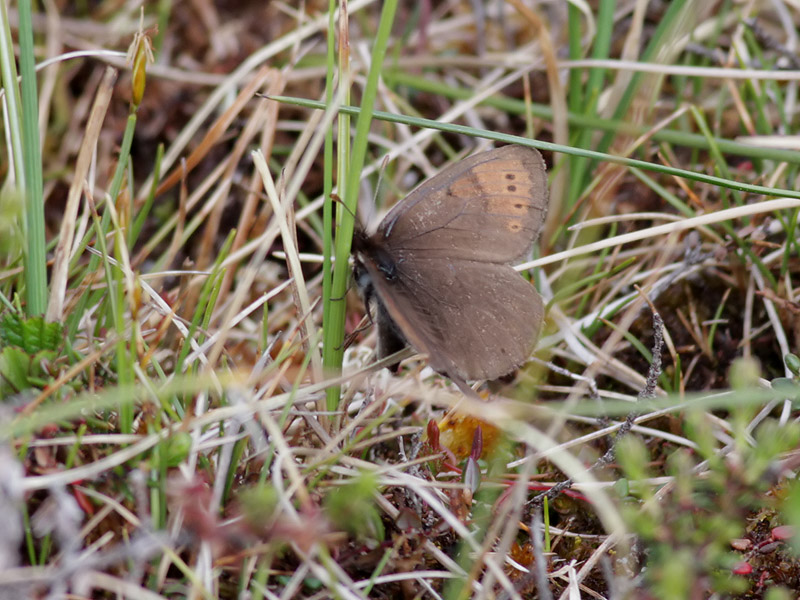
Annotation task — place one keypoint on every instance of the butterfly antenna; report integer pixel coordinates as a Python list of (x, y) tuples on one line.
[(336, 200)]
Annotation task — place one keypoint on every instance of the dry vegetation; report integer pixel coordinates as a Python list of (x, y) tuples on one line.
[(179, 416)]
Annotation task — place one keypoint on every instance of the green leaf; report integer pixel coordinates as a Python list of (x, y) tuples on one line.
[(14, 369), (32, 335), (11, 330), (786, 386), (792, 363)]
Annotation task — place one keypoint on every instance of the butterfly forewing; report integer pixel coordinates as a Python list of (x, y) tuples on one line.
[(489, 207)]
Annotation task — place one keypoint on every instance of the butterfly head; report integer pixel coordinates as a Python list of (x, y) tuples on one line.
[(366, 249)]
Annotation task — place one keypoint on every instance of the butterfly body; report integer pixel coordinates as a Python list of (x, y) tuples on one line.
[(438, 265)]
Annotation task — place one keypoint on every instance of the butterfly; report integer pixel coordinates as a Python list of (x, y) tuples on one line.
[(438, 266)]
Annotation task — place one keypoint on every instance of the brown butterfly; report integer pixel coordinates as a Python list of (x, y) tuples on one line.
[(438, 265)]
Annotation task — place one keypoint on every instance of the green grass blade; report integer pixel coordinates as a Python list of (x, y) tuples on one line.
[(35, 257), (334, 331)]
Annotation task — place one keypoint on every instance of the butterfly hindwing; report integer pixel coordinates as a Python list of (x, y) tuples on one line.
[(475, 320)]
